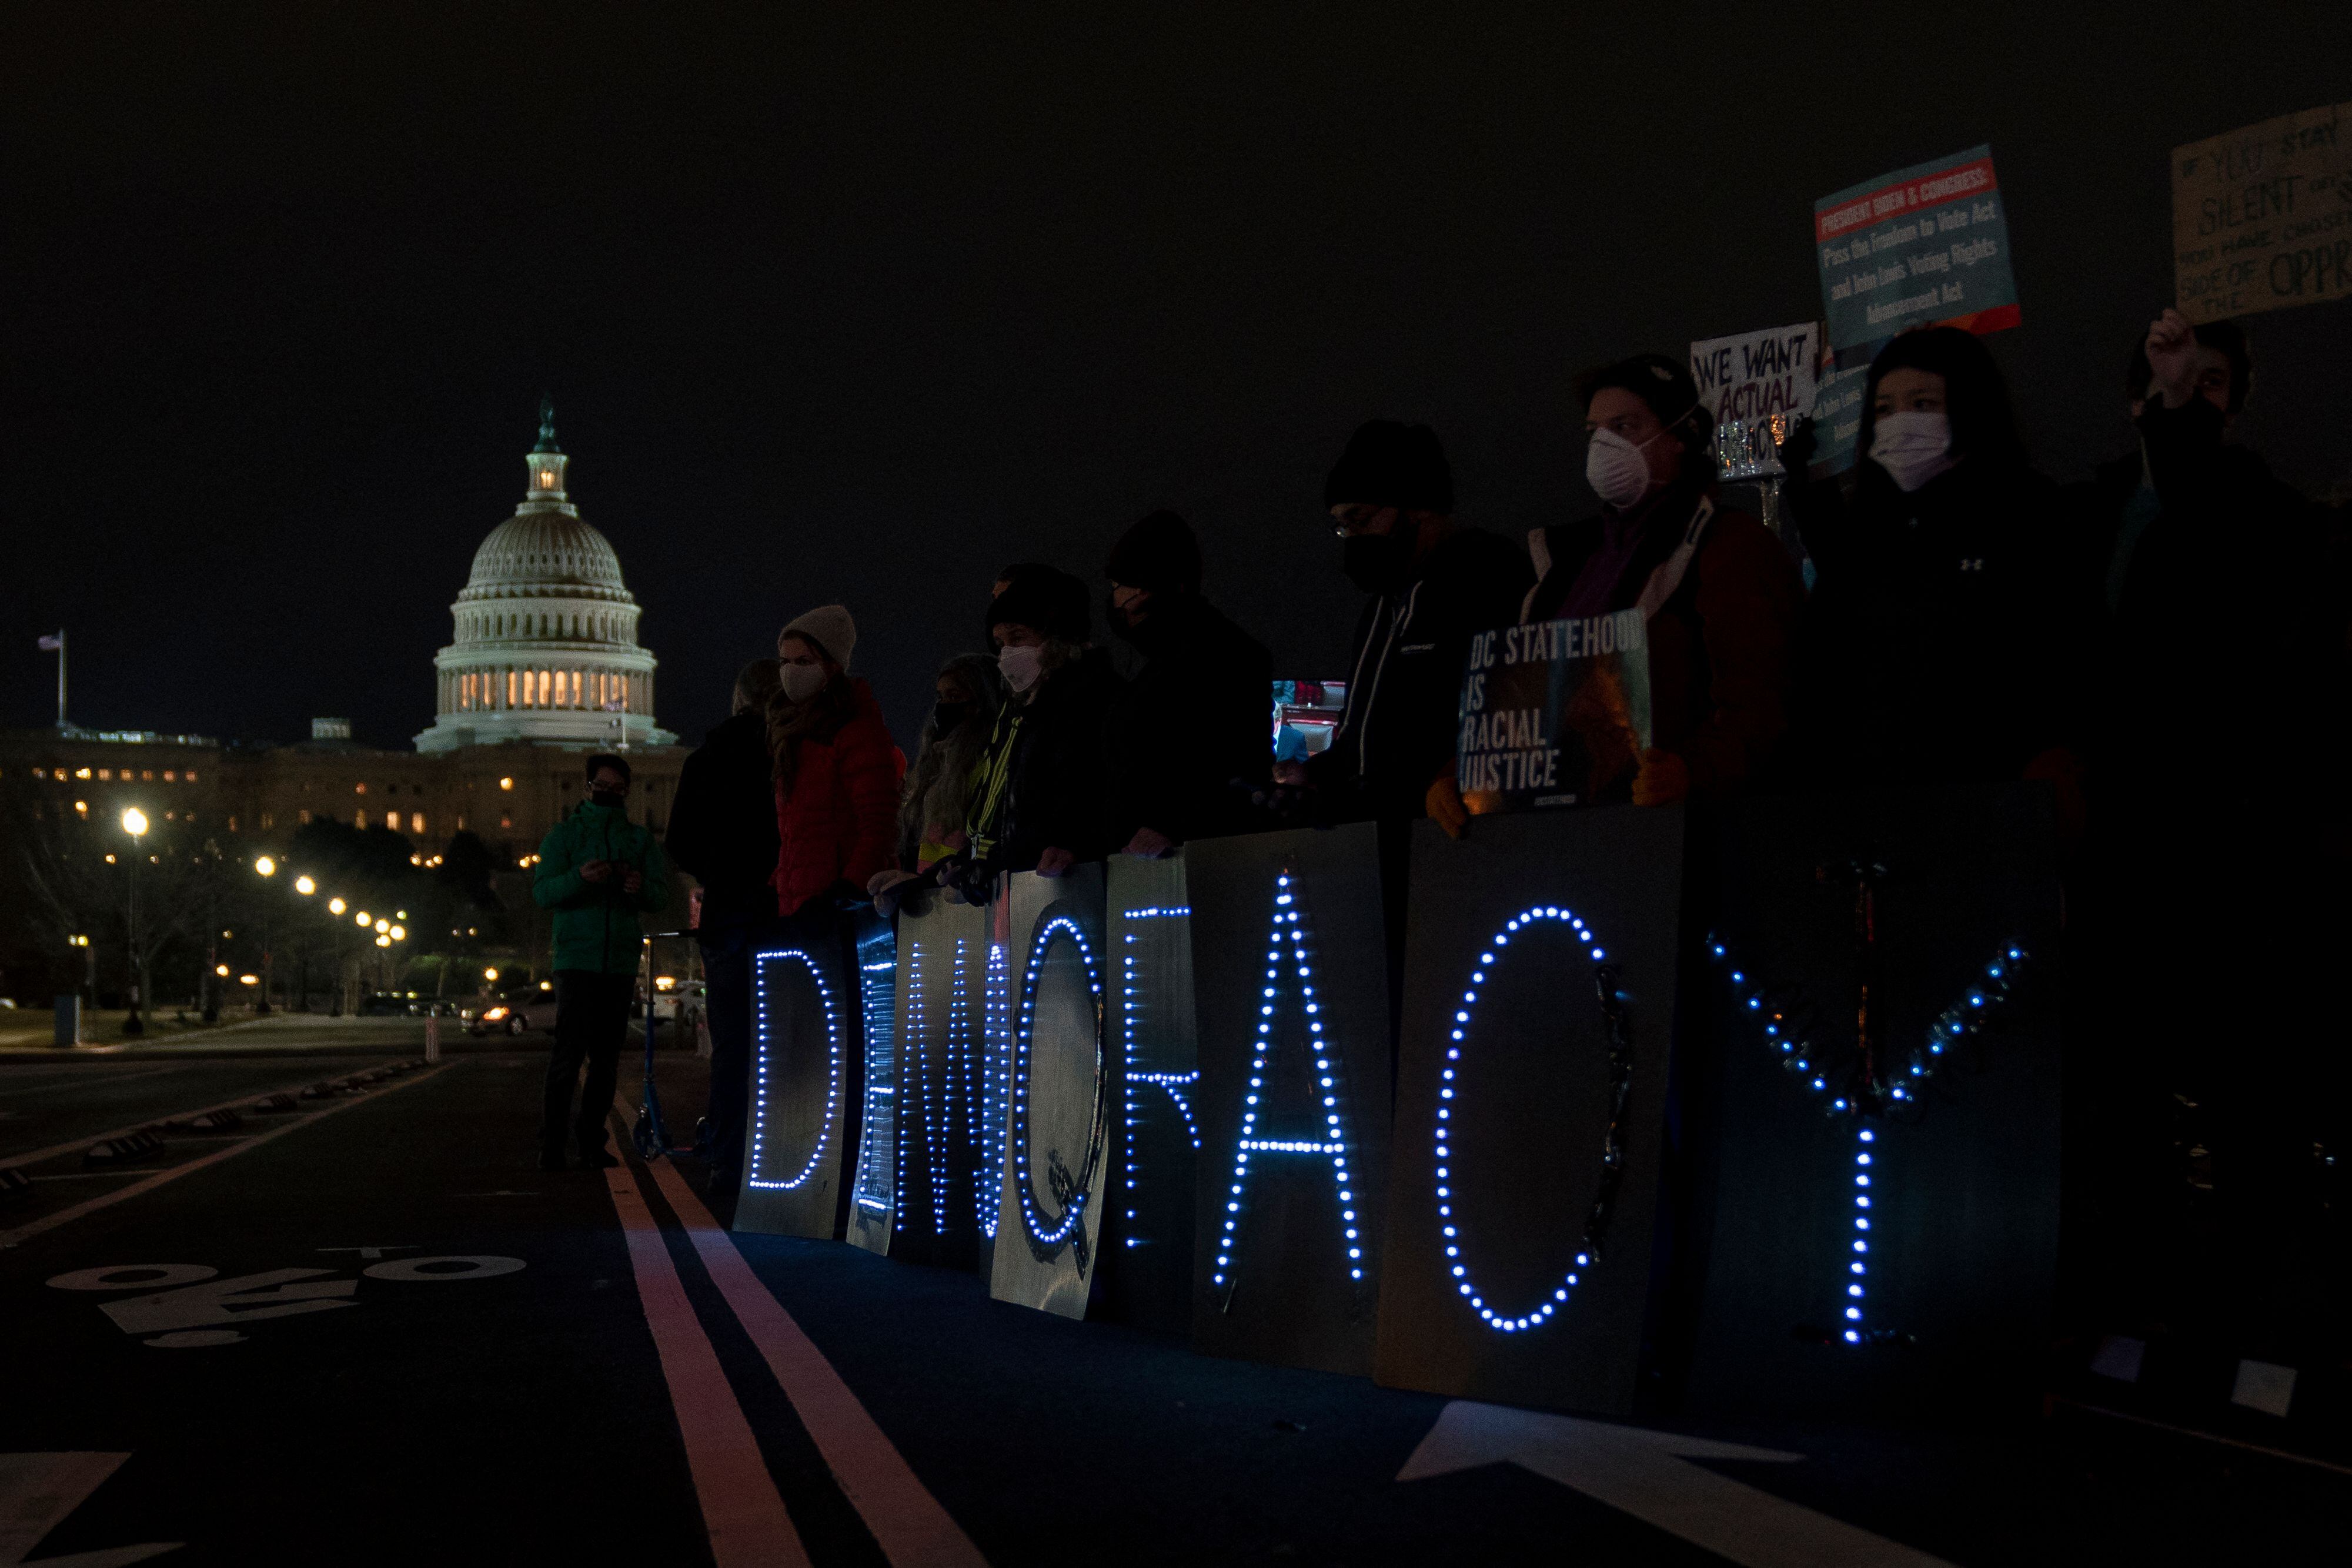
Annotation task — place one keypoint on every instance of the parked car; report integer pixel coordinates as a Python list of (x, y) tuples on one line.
[(520, 1011)]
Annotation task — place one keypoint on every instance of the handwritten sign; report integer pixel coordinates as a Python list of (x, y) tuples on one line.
[(1927, 246), (1756, 374), (2262, 218), (1554, 713)]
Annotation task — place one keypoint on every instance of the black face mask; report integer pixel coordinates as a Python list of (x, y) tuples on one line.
[(1378, 563), (609, 797), (948, 717)]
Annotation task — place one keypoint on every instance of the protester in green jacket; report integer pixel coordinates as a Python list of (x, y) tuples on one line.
[(597, 872)]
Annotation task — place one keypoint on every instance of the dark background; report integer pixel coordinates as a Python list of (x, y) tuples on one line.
[(860, 303)]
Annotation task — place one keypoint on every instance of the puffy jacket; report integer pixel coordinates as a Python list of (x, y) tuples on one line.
[(839, 820), (596, 923), (1723, 596), (1404, 685), (722, 826), (1196, 717)]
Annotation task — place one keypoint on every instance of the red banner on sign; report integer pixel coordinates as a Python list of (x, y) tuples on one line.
[(1906, 195)]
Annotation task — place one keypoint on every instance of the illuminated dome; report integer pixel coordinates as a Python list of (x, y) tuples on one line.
[(546, 647)]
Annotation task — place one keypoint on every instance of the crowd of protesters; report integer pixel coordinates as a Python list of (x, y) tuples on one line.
[(2163, 645)]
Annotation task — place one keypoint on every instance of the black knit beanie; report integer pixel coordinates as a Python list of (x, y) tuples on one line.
[(1392, 464), (1158, 555), (1046, 600)]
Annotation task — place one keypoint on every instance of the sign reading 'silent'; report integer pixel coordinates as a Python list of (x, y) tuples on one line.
[(1554, 713), (2262, 217)]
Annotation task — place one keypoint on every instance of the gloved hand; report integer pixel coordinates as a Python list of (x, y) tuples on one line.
[(888, 887), (1664, 779), (1796, 450), (1443, 804)]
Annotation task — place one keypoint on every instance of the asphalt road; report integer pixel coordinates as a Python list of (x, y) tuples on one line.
[(370, 1330)]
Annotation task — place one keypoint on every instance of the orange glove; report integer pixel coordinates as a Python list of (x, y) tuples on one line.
[(1443, 804), (1663, 779)]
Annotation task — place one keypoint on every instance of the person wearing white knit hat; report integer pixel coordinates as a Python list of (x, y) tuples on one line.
[(836, 768), (828, 626)]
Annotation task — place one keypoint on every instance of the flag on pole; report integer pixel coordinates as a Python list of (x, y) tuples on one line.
[(52, 644)]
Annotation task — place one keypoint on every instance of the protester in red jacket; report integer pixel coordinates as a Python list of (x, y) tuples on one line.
[(837, 769)]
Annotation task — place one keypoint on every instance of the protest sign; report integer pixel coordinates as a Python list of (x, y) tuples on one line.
[(1927, 246), (2262, 218), (1837, 418), (1554, 713), (1751, 375)]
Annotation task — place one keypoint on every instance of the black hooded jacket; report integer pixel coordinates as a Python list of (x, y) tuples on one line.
[(722, 825), (1944, 640), (1197, 717), (1404, 682), (1057, 794)]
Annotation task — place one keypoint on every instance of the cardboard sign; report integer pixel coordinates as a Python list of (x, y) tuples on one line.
[(1553, 714), (2262, 218), (1927, 246), (1754, 375)]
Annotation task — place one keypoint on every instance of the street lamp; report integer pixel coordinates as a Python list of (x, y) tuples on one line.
[(134, 822), (336, 906), (265, 868), (305, 886)]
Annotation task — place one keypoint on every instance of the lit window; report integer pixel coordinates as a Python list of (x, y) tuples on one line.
[(359, 819), (360, 789), (192, 775), (305, 815), (81, 773), (37, 773), (506, 822), (169, 776), (146, 774), (510, 688), (103, 772), (415, 821)]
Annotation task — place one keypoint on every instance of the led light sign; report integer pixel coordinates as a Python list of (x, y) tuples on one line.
[(1047, 1236), (760, 964)]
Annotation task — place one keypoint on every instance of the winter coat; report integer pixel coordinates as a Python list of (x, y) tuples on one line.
[(1396, 735), (722, 825), (837, 823), (596, 925), (1722, 598), (2222, 632), (1195, 719), (1943, 641), (1049, 753)]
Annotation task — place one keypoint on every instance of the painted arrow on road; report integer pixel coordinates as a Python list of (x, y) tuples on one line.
[(36, 1492), (1645, 1473)]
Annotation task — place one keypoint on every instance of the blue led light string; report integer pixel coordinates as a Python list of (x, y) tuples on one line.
[(880, 1007), (759, 1091), (1170, 1083), (1612, 1144), (997, 1045), (1047, 1238), (1333, 1147), (911, 1060), (1854, 1092)]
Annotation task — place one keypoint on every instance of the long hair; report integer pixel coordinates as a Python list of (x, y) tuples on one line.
[(1976, 398), (938, 786), (820, 718)]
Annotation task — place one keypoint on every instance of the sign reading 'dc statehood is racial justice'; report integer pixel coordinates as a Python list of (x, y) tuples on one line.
[(2262, 217), (1554, 713), (1927, 246), (1752, 375)]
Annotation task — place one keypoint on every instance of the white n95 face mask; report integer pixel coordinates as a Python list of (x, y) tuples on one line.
[(1616, 469), (1021, 667), (802, 682), (1913, 447)]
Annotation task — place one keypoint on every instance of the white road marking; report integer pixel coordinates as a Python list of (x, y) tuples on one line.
[(48, 1222), (38, 1490), (1643, 1473), (94, 1081), (371, 1251), (159, 1276), (275, 1293), (423, 1270), (76, 1144)]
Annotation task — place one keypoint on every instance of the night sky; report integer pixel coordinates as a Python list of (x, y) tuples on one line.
[(859, 303)]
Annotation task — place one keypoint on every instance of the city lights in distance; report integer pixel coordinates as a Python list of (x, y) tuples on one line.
[(134, 822), (382, 927), (248, 980), (363, 919), (399, 933), (81, 808), (305, 886), (489, 974), (221, 969), (383, 941), (336, 906), (79, 941), (506, 783), (265, 866)]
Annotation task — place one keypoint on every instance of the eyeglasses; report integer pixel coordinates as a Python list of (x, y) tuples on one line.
[(1356, 520)]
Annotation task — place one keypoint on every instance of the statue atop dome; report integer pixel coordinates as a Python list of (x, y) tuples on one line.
[(546, 426)]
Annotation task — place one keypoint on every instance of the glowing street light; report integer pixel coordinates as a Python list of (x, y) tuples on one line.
[(489, 974), (336, 906), (305, 886), (383, 941), (248, 980), (399, 934), (382, 927), (265, 866), (364, 918), (221, 969), (134, 822)]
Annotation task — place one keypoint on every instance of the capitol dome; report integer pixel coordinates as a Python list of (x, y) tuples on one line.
[(546, 648)]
